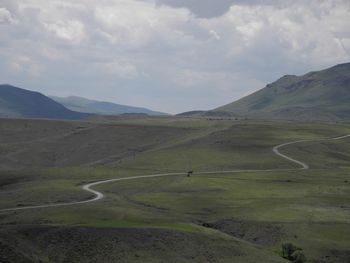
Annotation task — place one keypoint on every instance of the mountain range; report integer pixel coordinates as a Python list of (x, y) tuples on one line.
[(321, 95), (21, 103)]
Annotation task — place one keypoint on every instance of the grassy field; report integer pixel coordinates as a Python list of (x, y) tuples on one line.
[(220, 217)]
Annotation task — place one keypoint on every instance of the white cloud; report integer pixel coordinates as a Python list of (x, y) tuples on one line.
[(136, 46), (292, 37), (72, 30), (119, 69), (26, 65), (136, 24), (6, 17), (214, 34)]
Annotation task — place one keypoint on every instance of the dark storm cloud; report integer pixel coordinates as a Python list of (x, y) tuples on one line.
[(201, 8), (213, 8)]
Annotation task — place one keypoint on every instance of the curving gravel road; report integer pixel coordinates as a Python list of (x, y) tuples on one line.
[(99, 195), (303, 165)]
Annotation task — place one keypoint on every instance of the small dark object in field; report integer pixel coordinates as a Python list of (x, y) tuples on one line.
[(208, 225), (189, 173), (346, 181)]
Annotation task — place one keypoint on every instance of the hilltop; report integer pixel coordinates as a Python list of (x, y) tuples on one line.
[(321, 95)]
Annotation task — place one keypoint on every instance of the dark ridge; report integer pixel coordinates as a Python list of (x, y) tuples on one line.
[(190, 113), (17, 102)]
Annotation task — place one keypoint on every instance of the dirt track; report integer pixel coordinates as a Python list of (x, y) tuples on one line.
[(99, 195)]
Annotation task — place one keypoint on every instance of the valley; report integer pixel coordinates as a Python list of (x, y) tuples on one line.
[(175, 131), (240, 215)]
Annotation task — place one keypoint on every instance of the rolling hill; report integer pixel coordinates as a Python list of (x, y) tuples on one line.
[(21, 103), (101, 107), (322, 95)]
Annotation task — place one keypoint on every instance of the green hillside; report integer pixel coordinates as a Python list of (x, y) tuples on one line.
[(242, 216), (321, 95)]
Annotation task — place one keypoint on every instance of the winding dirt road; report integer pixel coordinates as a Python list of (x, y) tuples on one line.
[(99, 195)]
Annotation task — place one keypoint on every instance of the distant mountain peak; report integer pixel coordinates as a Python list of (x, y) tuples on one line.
[(81, 104)]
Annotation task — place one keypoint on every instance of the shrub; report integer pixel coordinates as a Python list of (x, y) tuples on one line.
[(287, 250), (293, 253), (298, 257)]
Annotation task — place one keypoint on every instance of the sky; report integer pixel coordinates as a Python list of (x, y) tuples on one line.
[(167, 55)]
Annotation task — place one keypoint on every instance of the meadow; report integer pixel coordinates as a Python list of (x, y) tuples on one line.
[(243, 216)]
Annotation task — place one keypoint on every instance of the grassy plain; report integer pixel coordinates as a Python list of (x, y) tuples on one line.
[(220, 217)]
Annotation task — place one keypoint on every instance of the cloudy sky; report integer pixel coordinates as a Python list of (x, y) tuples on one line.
[(168, 55)]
